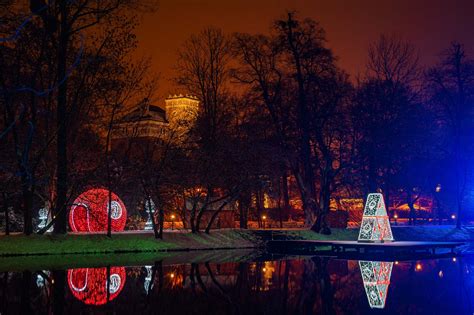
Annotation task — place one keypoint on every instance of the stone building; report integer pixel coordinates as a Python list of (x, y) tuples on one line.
[(153, 122)]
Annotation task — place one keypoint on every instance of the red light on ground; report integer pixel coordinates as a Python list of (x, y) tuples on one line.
[(89, 212), (90, 284)]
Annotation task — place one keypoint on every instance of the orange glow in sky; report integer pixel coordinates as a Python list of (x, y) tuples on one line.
[(350, 26)]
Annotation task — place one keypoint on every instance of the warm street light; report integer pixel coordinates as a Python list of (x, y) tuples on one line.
[(418, 267), (172, 221), (264, 218)]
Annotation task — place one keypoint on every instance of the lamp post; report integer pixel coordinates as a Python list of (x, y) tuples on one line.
[(172, 221), (264, 218), (437, 191)]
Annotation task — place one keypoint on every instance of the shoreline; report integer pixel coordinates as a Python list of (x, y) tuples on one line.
[(129, 243)]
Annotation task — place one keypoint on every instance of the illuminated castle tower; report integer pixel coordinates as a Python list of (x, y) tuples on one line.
[(181, 111)]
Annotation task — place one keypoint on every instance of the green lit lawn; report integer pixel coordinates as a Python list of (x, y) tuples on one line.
[(120, 243)]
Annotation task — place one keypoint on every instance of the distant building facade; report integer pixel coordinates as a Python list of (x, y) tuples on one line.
[(149, 121)]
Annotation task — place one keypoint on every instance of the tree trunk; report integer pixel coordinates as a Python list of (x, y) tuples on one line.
[(243, 213), (153, 222), (192, 217), (60, 224), (27, 206), (259, 206), (286, 195), (214, 216), (161, 222), (321, 225), (412, 210), (109, 209), (5, 210)]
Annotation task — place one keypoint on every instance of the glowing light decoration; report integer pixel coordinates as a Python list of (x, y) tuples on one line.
[(375, 223), (150, 210), (44, 217), (376, 277), (90, 210), (90, 284)]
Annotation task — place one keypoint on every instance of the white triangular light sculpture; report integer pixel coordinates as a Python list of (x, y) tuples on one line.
[(375, 225)]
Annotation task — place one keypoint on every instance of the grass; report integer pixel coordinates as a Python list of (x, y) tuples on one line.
[(15, 245)]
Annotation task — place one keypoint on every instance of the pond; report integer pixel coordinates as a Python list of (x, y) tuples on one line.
[(260, 285)]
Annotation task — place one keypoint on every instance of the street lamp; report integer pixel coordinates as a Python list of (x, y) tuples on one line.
[(438, 190), (418, 267), (264, 218), (172, 221), (395, 217), (453, 216)]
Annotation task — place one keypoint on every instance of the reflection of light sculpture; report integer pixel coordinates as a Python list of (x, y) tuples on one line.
[(90, 284), (375, 224), (147, 285), (150, 210), (41, 280), (376, 277), (90, 210)]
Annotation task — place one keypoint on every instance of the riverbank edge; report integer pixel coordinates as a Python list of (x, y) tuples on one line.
[(129, 243)]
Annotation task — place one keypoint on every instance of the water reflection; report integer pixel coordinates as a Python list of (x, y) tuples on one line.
[(90, 285), (317, 285), (376, 277)]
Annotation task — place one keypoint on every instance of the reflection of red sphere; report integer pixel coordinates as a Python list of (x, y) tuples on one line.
[(90, 284), (89, 212)]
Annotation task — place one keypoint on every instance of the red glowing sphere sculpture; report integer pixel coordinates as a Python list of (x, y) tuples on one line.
[(90, 210), (90, 284)]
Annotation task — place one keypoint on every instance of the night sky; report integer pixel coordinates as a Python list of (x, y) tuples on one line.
[(350, 25)]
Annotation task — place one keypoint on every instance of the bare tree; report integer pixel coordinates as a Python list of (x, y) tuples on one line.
[(286, 69), (451, 85), (394, 60), (203, 70), (385, 106)]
